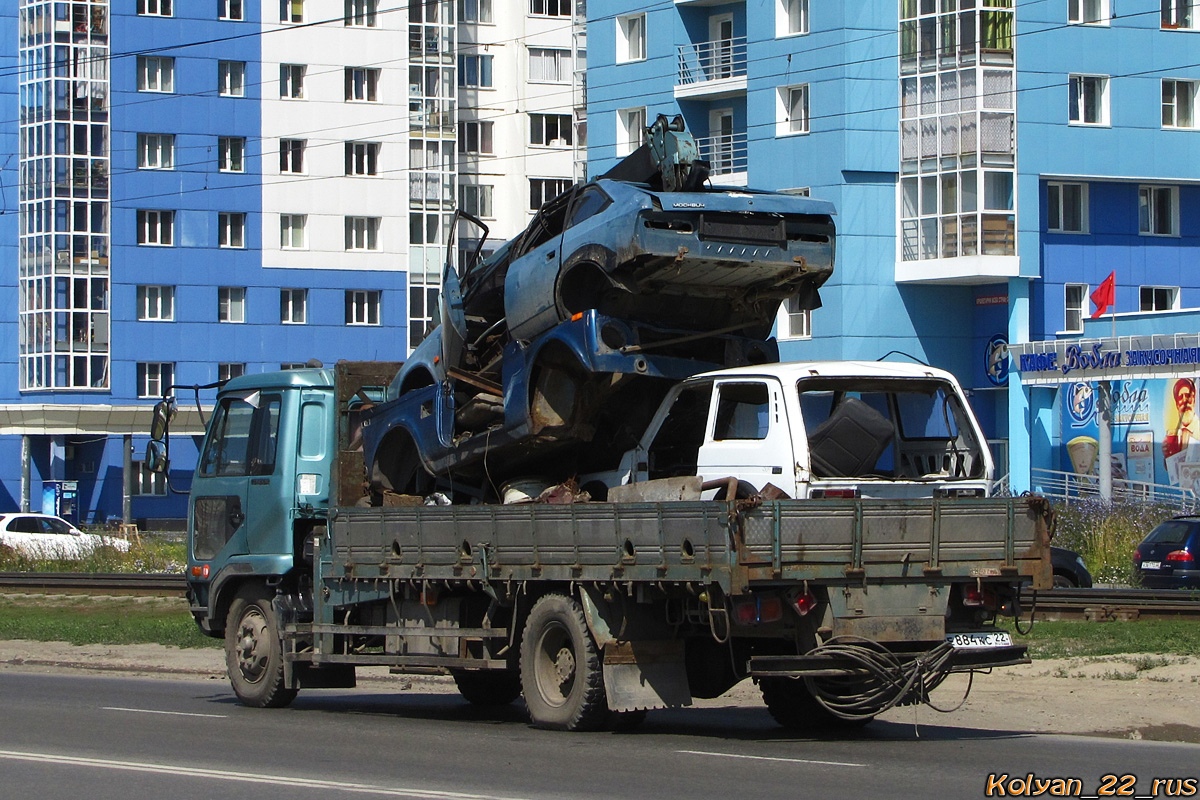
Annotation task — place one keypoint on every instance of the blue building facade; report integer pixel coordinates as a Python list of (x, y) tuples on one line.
[(135, 242), (991, 162)]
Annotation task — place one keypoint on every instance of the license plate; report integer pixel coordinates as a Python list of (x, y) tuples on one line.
[(978, 641), (1151, 565)]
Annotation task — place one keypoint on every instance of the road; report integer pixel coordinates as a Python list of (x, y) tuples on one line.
[(96, 737)]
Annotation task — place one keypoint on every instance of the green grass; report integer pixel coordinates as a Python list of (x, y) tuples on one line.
[(1106, 534), (149, 553), (1074, 639), (100, 620)]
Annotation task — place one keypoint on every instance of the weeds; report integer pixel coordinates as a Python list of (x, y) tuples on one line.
[(100, 620), (147, 554), (1106, 534), (1117, 675)]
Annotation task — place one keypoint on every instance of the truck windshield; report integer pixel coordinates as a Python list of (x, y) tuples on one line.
[(243, 438), (890, 428)]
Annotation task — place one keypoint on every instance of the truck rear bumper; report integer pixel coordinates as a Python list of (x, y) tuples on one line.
[(829, 665)]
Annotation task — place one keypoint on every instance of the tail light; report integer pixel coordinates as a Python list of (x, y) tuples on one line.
[(758, 609), (805, 603), (1180, 555), (1137, 556), (200, 571), (979, 597)]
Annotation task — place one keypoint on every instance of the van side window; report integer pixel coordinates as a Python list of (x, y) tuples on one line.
[(676, 447), (743, 412), (243, 440)]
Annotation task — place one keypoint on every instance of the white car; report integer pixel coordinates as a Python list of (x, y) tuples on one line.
[(47, 536)]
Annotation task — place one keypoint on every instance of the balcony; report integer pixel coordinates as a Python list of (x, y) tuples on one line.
[(726, 156), (712, 69)]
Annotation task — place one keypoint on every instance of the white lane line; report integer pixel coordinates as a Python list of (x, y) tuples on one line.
[(769, 758), (177, 770), (169, 713)]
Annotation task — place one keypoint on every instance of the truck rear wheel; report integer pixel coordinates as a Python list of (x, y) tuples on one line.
[(793, 706), (487, 687), (561, 674), (254, 652)]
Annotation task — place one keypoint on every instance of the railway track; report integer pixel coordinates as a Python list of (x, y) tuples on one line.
[(1051, 604)]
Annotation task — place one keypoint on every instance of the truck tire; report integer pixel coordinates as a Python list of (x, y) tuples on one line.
[(792, 705), (561, 674), (254, 652), (487, 687)]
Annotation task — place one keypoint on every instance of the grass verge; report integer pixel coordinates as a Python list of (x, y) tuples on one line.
[(148, 553), (100, 620), (1069, 639)]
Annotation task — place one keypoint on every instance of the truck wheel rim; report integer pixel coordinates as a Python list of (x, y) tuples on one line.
[(252, 645), (555, 672)]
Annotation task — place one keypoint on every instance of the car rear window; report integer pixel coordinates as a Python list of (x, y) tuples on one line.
[(1170, 532)]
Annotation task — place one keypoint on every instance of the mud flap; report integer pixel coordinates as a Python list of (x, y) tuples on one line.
[(644, 675)]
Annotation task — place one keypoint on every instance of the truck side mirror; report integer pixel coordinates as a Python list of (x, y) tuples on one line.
[(164, 412), (156, 456)]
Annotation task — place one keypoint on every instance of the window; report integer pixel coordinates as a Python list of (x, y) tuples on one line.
[(1178, 104), (156, 227), (475, 11), (476, 200), (231, 151), (156, 303), (362, 158), (291, 231), (543, 190), (550, 8), (154, 8), (362, 233), (1088, 12), (362, 306), (291, 156), (1158, 210), (231, 304), (230, 9), (1158, 298), (1180, 14), (631, 38), (475, 72), (1067, 208), (242, 441), (145, 482), (792, 110), (291, 81), (293, 306), (631, 130), (286, 365), (361, 84), (791, 17), (794, 322), (743, 412), (1074, 303), (291, 11), (361, 13), (475, 137), (550, 130), (231, 229), (549, 66), (1089, 100), (155, 74), (227, 372), (231, 78), (154, 379), (156, 150)]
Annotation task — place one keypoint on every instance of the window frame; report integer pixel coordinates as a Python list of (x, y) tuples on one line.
[(1148, 198), (1172, 293), (155, 8), (161, 69), (560, 5), (1190, 9), (156, 220), (295, 150), (481, 204), (367, 11), (785, 123), (783, 18), (225, 10), (291, 301), (1191, 94), (1079, 309), (163, 143), (542, 184), (155, 303), (465, 126), (479, 16), (146, 483), (368, 159), (231, 153), (790, 319), (539, 126), (228, 370), (626, 119), (1077, 97), (291, 81), (484, 75), (559, 56), (230, 223), (369, 87), (1059, 205), (163, 376), (287, 9), (231, 78), (362, 233), (1077, 12), (290, 223), (364, 307), (231, 305), (631, 38)]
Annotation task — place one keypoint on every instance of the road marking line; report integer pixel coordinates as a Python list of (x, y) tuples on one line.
[(245, 777), (769, 758), (169, 713)]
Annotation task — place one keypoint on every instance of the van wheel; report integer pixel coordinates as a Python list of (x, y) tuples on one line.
[(487, 687), (254, 651), (561, 676)]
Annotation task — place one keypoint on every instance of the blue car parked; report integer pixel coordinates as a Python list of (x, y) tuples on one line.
[(1166, 558)]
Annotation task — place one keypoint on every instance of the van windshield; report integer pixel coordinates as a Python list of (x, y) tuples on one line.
[(889, 429)]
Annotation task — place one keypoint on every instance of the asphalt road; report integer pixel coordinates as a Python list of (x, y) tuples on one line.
[(96, 737)]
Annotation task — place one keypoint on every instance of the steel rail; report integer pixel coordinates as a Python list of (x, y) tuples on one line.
[(99, 583), (1112, 604)]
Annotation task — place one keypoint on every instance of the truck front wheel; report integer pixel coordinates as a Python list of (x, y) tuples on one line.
[(561, 675), (254, 652), (487, 687)]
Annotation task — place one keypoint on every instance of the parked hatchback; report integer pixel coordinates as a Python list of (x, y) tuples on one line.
[(47, 536), (1166, 558)]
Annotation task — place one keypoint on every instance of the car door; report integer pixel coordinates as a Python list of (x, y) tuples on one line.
[(530, 299), (748, 434)]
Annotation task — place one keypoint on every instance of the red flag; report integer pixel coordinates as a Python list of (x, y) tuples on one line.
[(1105, 295)]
